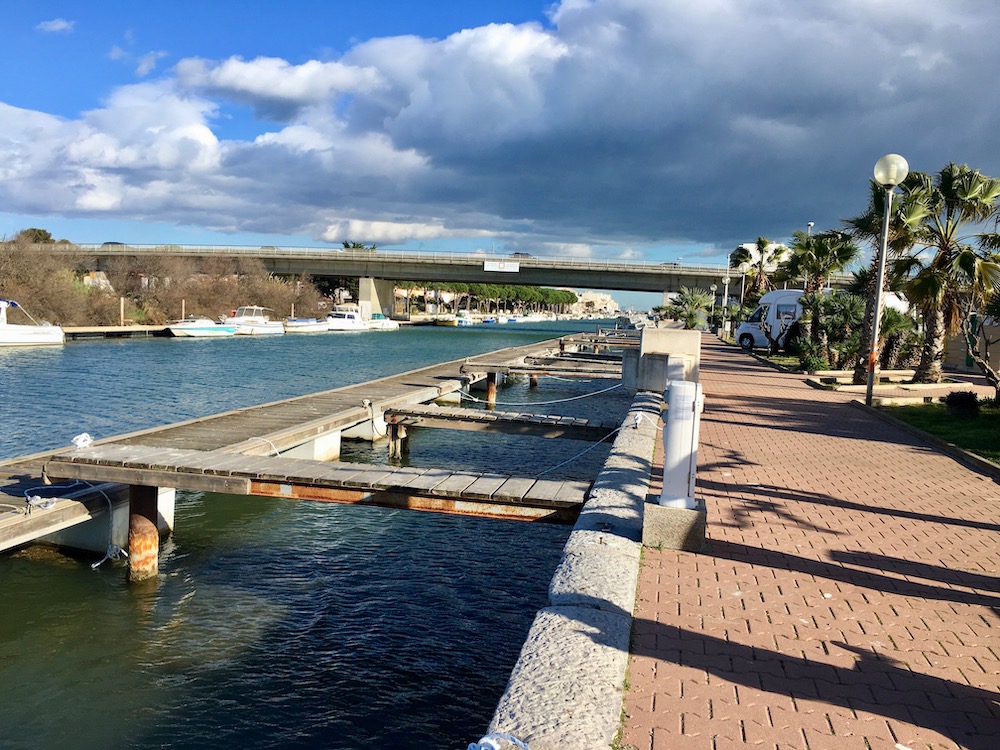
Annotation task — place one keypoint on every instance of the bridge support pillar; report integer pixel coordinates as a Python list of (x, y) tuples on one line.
[(143, 534), (375, 296)]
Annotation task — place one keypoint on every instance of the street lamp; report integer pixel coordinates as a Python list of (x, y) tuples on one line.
[(809, 228), (890, 170), (725, 302), (711, 316)]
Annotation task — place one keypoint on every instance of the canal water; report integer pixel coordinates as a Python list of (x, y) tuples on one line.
[(276, 624)]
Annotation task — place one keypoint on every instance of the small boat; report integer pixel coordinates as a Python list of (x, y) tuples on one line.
[(346, 318), (199, 326), (305, 325), (252, 320), (379, 322), (36, 334)]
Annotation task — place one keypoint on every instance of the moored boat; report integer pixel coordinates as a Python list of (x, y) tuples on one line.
[(346, 318), (199, 326), (379, 322), (305, 325), (36, 334), (253, 320)]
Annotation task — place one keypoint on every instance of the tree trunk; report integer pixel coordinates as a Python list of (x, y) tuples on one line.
[(864, 348), (932, 353), (981, 356)]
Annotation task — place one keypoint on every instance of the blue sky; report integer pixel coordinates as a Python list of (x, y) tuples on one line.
[(647, 129)]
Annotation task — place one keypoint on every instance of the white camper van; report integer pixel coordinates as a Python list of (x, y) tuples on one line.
[(779, 309)]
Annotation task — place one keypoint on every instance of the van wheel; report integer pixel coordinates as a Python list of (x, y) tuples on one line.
[(746, 341)]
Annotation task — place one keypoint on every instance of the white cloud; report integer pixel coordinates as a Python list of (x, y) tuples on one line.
[(274, 86), (56, 26), (623, 123), (382, 232), (147, 63)]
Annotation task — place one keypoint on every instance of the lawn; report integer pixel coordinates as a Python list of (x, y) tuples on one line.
[(980, 435)]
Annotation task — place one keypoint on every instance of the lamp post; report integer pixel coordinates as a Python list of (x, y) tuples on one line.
[(809, 228), (890, 170), (725, 302), (711, 315)]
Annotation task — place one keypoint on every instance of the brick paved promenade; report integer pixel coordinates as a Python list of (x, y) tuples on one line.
[(848, 595)]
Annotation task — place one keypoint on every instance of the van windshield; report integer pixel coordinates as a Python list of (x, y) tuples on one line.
[(758, 314)]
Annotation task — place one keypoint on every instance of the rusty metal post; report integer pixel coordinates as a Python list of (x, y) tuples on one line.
[(143, 535), (491, 389)]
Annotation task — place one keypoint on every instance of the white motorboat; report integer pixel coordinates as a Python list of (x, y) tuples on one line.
[(346, 318), (305, 325), (199, 326), (379, 322), (253, 320), (36, 334)]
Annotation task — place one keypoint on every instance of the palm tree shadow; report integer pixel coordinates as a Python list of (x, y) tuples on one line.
[(967, 715)]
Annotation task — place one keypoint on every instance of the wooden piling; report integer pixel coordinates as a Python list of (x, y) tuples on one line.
[(143, 535), (491, 388), (533, 382)]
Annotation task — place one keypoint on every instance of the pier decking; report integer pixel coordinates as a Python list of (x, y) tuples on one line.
[(282, 449)]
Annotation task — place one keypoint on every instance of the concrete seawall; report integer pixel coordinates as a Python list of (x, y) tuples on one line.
[(565, 690)]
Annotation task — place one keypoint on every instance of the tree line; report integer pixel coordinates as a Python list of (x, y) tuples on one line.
[(50, 278)]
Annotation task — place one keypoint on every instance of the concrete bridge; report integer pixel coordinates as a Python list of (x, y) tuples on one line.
[(481, 268)]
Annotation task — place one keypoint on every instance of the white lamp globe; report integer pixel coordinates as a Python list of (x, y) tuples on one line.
[(891, 170)]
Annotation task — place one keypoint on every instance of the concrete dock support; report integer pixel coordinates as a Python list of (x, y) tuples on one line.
[(143, 534)]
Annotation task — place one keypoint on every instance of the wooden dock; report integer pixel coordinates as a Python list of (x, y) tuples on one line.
[(510, 423), (258, 451)]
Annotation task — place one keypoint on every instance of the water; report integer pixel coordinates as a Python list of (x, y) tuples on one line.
[(273, 624)]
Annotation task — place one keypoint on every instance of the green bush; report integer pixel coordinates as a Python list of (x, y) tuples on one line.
[(812, 363), (962, 404)]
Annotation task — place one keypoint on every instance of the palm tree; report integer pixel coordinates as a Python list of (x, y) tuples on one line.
[(760, 264), (955, 276), (905, 215), (690, 305), (814, 257)]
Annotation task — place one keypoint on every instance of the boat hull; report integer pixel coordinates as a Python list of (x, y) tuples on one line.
[(201, 330), (259, 329), (18, 335), (305, 325)]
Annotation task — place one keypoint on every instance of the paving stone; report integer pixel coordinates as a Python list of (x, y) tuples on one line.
[(847, 589)]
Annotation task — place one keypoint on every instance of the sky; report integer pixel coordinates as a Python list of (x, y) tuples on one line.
[(654, 130)]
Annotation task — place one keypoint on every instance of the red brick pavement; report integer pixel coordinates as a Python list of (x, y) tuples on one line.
[(847, 597)]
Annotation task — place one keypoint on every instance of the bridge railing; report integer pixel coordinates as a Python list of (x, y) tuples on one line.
[(400, 256), (433, 256)]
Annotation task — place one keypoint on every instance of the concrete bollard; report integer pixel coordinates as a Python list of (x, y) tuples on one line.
[(680, 443)]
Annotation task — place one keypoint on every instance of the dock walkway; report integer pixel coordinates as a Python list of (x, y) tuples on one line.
[(240, 452), (847, 597)]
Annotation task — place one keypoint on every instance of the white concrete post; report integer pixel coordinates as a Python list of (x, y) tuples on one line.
[(680, 443)]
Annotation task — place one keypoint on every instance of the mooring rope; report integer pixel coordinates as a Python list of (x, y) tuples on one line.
[(635, 425), (542, 403), (496, 740)]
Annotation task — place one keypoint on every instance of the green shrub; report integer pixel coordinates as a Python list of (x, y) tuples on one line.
[(962, 404)]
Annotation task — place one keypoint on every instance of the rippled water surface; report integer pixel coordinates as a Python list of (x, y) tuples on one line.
[(274, 624)]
